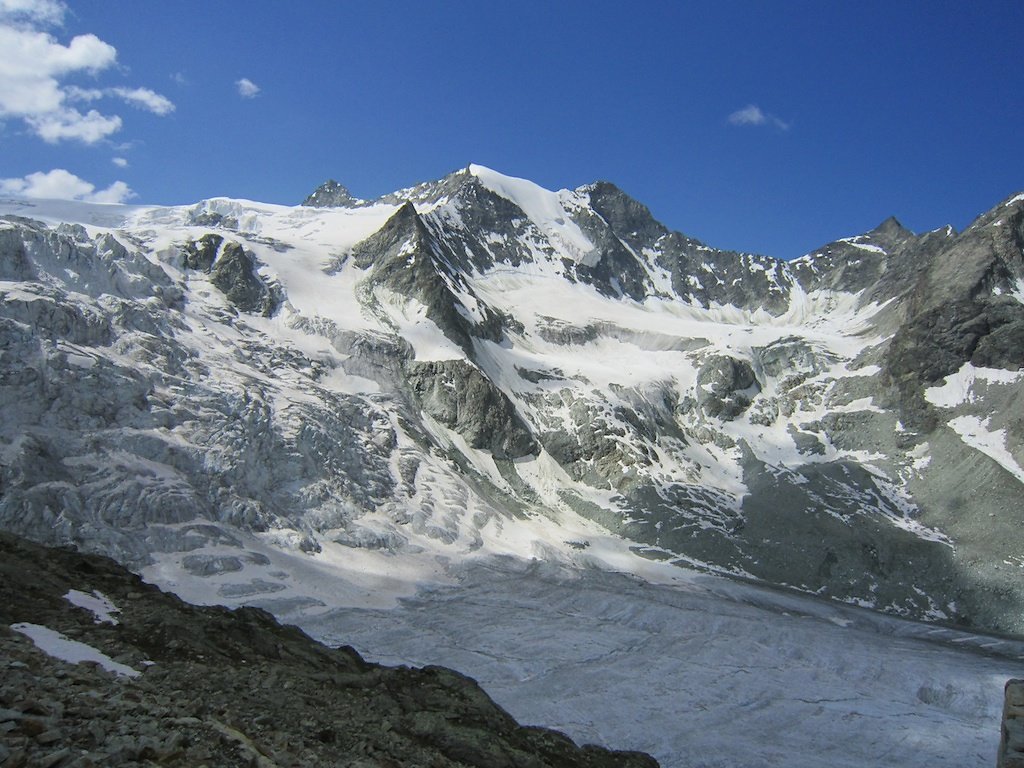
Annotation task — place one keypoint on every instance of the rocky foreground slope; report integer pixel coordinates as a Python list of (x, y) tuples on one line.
[(477, 365), (165, 683)]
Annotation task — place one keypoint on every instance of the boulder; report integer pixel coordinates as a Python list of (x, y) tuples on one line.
[(1011, 742)]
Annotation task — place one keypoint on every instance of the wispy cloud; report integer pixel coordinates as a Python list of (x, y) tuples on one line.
[(34, 65), (120, 162), (754, 115), (142, 98), (60, 184), (247, 89)]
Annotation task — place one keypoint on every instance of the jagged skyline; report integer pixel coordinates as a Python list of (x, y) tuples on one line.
[(769, 129), (519, 432)]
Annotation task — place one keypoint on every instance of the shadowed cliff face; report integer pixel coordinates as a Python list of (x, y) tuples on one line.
[(479, 363), (180, 685), (1011, 743)]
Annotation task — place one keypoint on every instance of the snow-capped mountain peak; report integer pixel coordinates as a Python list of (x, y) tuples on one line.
[(547, 210), (477, 365)]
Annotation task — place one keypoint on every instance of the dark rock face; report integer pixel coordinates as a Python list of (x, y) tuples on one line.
[(1003, 346), (200, 254), (855, 263), (597, 445), (480, 211), (235, 274), (330, 194), (231, 688), (958, 310), (699, 274), (725, 386), (629, 219), (15, 263), (208, 565), (233, 271), (460, 397), (406, 257), (708, 276), (1011, 742), (935, 343)]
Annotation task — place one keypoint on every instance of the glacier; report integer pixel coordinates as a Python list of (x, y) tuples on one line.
[(405, 421)]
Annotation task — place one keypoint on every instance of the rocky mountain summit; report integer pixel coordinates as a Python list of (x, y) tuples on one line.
[(331, 194), (101, 669), (229, 394)]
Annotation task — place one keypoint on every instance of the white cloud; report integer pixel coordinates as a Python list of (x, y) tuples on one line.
[(33, 64), (143, 98), (120, 162), (754, 115), (118, 192), (74, 93), (38, 11), (57, 125), (247, 89), (749, 115), (59, 184)]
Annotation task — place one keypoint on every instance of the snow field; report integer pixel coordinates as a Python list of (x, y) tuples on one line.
[(60, 647)]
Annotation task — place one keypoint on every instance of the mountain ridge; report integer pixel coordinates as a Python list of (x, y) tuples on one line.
[(455, 364)]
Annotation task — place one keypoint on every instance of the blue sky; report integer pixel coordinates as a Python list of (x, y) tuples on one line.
[(760, 126)]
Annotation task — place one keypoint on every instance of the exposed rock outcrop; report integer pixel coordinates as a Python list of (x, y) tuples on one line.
[(330, 194), (456, 394), (172, 684), (235, 274), (725, 386), (475, 351), (1011, 742)]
